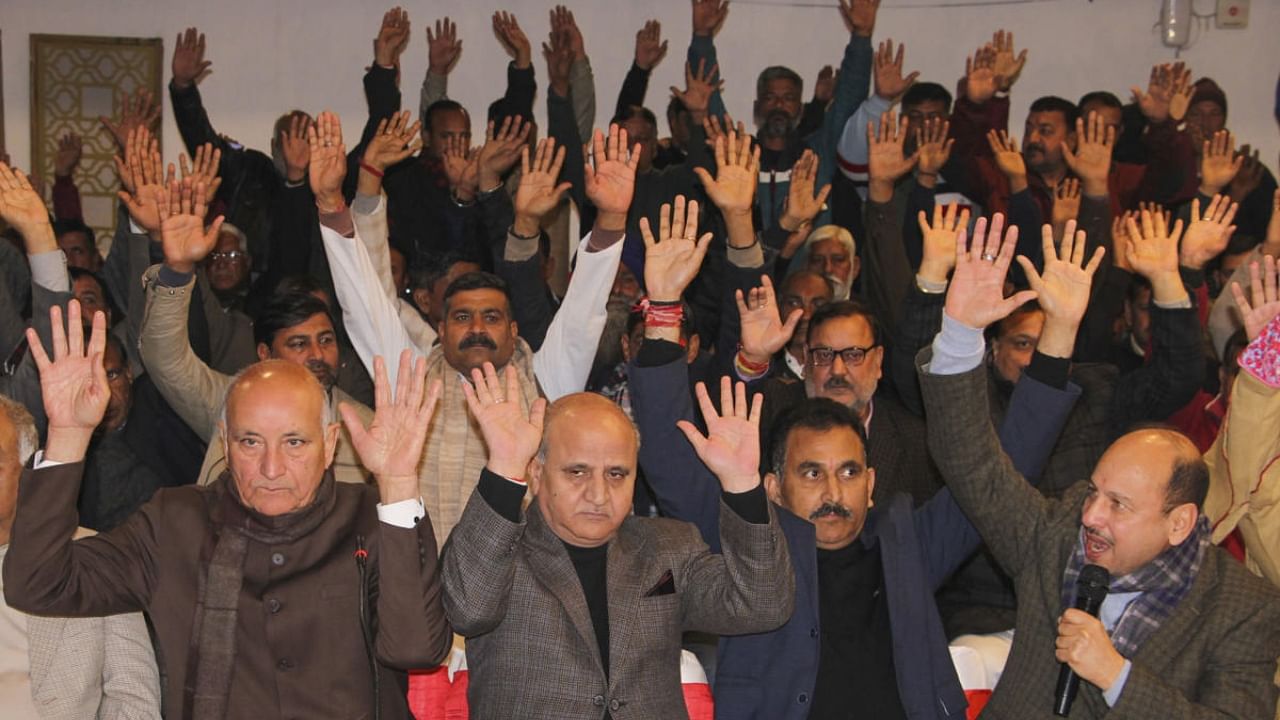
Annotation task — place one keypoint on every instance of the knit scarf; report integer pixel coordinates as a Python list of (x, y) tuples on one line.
[(213, 629), (1163, 583), (455, 452)]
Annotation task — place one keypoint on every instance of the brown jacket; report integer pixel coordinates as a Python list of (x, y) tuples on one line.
[(299, 647)]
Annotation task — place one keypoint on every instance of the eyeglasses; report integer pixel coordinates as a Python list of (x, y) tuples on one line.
[(231, 256), (852, 356)]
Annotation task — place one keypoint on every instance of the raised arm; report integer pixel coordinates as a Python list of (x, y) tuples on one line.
[(563, 362), (443, 50), (888, 273), (853, 84), (708, 18), (650, 49), (582, 83)]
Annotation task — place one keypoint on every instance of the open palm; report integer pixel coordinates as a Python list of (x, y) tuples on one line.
[(763, 332), (731, 448), (392, 444), (611, 181), (1265, 304), (74, 383), (1063, 287), (512, 434), (20, 205)]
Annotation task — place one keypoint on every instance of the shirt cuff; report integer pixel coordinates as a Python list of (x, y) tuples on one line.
[(752, 505), (1261, 358), (135, 228), (366, 204), (1112, 695), (170, 278), (930, 287), (751, 256), (403, 514), (339, 222), (654, 353), (40, 463), (1051, 371), (49, 271), (1183, 304), (957, 349)]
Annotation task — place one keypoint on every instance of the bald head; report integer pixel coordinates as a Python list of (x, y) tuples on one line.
[(584, 476), (279, 436), (1172, 455)]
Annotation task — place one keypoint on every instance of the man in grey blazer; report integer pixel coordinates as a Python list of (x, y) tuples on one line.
[(575, 608), (1185, 631), (65, 668)]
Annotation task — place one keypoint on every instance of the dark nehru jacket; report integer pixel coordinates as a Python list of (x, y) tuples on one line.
[(299, 649)]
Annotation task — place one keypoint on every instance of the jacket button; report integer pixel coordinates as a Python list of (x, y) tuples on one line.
[(273, 606), (804, 698), (598, 701), (277, 559), (284, 665), (614, 705), (813, 632)]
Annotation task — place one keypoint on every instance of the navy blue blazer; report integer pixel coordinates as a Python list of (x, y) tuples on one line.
[(770, 676)]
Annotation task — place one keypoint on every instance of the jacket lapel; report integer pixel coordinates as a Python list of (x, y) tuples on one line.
[(624, 573), (552, 568)]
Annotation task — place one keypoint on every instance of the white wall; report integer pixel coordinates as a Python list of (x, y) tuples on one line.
[(269, 55)]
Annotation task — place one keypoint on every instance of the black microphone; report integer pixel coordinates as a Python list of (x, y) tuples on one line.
[(1091, 590)]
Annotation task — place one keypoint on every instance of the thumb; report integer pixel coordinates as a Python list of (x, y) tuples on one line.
[(707, 181), (1033, 277), (350, 418), (792, 321), (696, 439)]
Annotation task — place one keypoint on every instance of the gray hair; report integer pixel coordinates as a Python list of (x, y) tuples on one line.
[(242, 240), (778, 72), (24, 426)]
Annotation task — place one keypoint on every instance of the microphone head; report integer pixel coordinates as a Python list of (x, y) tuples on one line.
[(1093, 583)]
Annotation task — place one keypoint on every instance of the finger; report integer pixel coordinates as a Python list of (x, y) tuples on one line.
[(695, 437), (704, 402), (1096, 261), (726, 397), (1241, 302)]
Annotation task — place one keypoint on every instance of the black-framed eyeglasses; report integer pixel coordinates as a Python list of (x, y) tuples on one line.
[(852, 356)]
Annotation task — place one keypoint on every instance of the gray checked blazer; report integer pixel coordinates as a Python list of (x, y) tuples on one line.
[(512, 590), (1214, 657)]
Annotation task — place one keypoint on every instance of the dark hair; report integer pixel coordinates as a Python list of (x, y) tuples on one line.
[(425, 274), (1102, 97), (477, 280), (1053, 103), (62, 227), (675, 108), (996, 329), (632, 112), (1240, 243), (925, 92), (284, 310), (75, 273), (500, 110), (810, 414), (115, 342), (1188, 483), (843, 309), (778, 72), (438, 107)]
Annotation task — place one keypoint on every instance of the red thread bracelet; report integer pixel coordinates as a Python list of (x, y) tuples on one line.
[(370, 169)]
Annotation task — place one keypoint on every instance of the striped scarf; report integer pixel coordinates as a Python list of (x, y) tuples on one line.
[(1163, 583)]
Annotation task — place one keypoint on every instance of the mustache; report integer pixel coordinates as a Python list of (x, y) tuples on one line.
[(477, 340), (1037, 147), (1099, 535), (837, 382), (831, 508)]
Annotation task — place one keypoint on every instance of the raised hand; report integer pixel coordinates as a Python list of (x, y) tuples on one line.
[(559, 57), (501, 150), (1152, 251), (698, 89), (824, 88), (67, 157), (538, 193), (392, 38), (1207, 235), (1120, 240), (887, 72), (802, 204), (610, 177), (512, 435), (143, 112), (708, 16), (737, 173), (650, 47), (328, 162), (712, 126), (980, 82), (22, 207), (189, 66), (1007, 65), (1066, 203), (1265, 306), (563, 23), (1155, 102), (204, 169), (1063, 287), (933, 146), (142, 172), (1183, 90), (1091, 160), (512, 38), (1004, 150), (183, 236), (443, 47), (885, 159), (295, 148), (1249, 177), (672, 260), (391, 447), (73, 384), (731, 448), (763, 332), (461, 168), (860, 16), (940, 239), (1271, 243), (1219, 163), (976, 296), (394, 141)]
